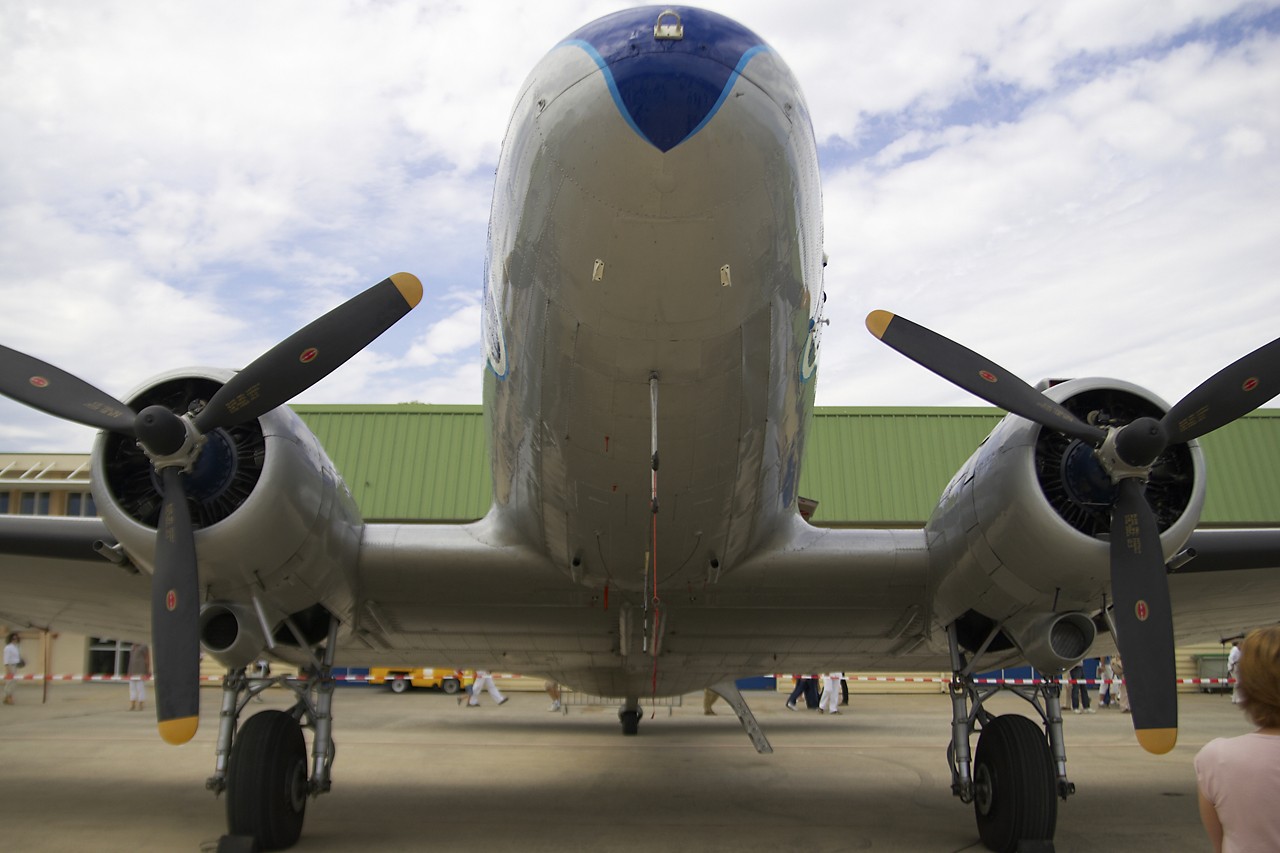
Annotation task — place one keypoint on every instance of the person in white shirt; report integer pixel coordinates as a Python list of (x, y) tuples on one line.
[(12, 660), (1233, 663)]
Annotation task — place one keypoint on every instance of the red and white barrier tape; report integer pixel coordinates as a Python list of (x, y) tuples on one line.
[(1090, 682), (124, 679), (892, 679)]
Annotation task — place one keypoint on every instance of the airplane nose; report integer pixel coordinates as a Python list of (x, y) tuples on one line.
[(668, 72)]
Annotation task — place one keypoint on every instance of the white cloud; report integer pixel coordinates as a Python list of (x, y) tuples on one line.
[(456, 334), (1102, 231), (189, 183)]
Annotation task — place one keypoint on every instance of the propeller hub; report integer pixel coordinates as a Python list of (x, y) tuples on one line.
[(1139, 443), (161, 432), (1128, 451)]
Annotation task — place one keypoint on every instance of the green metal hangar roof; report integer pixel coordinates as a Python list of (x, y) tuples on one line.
[(866, 466)]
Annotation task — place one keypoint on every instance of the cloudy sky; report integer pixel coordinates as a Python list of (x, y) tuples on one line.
[(1073, 188)]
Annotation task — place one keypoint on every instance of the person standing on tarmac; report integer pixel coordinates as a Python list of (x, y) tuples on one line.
[(12, 661), (553, 690), (139, 672), (484, 681), (1079, 690), (806, 685), (1237, 777), (1233, 664), (830, 702)]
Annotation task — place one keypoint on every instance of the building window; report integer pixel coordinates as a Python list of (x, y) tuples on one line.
[(81, 504), (4, 502), (34, 503), (108, 657)]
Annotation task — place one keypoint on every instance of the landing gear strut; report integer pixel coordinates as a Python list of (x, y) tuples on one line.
[(1018, 772), (262, 767)]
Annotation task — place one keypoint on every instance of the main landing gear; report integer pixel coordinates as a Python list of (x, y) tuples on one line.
[(629, 715), (262, 766), (1019, 769)]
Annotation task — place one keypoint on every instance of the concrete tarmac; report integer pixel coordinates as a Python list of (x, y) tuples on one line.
[(417, 771)]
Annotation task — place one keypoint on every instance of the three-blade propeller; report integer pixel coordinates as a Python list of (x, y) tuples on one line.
[(1139, 582), (173, 442)]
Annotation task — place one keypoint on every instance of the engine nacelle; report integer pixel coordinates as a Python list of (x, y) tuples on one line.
[(273, 518), (1024, 527)]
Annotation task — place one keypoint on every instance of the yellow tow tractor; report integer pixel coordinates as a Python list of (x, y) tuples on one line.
[(400, 678)]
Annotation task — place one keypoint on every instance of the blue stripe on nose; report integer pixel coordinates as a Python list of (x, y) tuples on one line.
[(667, 90)]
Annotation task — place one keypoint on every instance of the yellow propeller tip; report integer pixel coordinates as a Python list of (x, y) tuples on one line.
[(179, 730), (409, 286), (878, 321), (1157, 741)]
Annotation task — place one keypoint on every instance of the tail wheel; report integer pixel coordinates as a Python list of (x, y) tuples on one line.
[(267, 780), (1014, 792)]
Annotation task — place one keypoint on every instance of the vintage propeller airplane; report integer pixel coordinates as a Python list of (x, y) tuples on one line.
[(653, 293)]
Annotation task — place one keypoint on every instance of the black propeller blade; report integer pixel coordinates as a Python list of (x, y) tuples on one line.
[(310, 354), (1139, 582), (175, 614), (56, 392), (1231, 393), (173, 443), (962, 366), (1236, 390), (1144, 619)]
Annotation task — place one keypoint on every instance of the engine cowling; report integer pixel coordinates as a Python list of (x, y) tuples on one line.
[(1023, 528), (273, 518)]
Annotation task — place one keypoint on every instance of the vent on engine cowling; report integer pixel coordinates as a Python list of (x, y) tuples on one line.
[(222, 478), (1081, 492)]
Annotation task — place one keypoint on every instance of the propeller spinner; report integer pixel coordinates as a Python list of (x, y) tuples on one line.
[(1139, 582), (173, 443)]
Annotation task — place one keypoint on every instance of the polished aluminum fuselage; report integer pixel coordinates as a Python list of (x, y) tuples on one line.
[(619, 273)]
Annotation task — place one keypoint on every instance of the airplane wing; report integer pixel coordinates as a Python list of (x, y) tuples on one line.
[(466, 595), (1231, 583), (459, 594), (451, 595), (51, 577)]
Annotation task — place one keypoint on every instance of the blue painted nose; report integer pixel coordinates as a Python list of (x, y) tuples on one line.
[(668, 86)]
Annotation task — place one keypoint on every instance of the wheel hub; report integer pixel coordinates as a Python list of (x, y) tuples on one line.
[(983, 789), (297, 786)]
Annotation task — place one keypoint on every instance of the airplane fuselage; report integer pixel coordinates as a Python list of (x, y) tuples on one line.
[(655, 246)]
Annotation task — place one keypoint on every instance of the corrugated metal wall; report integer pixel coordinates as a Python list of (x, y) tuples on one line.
[(867, 467), (1243, 460), (883, 467), (408, 462)]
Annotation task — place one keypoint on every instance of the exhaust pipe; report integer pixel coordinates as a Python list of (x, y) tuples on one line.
[(1052, 642), (231, 633)]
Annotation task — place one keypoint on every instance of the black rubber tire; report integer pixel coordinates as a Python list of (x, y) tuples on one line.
[(400, 685), (1015, 790), (630, 721), (267, 780), (450, 686)]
